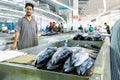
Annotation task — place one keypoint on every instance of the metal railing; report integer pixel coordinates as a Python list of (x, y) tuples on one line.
[(102, 66)]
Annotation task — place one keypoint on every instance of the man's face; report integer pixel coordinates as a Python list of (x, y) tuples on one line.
[(54, 23), (105, 24), (28, 11)]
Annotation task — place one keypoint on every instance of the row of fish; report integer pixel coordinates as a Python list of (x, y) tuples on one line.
[(80, 60), (44, 56), (96, 37), (49, 33), (71, 58)]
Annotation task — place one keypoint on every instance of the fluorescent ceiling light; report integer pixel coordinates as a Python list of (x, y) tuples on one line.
[(7, 1), (115, 11), (22, 6), (7, 17), (55, 1), (10, 15), (16, 11), (38, 9), (12, 10), (105, 8), (51, 14)]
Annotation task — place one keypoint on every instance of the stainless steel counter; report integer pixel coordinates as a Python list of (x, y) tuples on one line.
[(11, 71)]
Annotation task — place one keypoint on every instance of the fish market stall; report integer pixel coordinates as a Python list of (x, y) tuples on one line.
[(15, 71), (5, 40), (6, 36)]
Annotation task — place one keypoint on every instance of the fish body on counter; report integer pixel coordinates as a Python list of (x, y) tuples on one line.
[(68, 67), (79, 56), (85, 66), (59, 58), (44, 56)]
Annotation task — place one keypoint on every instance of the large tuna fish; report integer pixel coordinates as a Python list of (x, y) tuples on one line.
[(90, 46), (68, 67), (59, 57), (75, 59), (85, 66), (51, 66), (44, 56), (92, 53), (79, 56)]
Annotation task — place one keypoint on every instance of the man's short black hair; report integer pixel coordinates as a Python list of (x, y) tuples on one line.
[(29, 4), (105, 23)]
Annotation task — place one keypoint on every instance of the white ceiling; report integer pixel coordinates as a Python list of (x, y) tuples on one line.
[(87, 8), (96, 6)]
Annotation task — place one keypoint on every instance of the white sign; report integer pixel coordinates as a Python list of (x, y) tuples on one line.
[(19, 1)]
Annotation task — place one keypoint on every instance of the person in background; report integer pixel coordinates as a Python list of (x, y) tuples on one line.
[(51, 27), (107, 28), (55, 29), (80, 28), (71, 28), (26, 32), (59, 28), (62, 27), (47, 29), (99, 28), (91, 29), (4, 29)]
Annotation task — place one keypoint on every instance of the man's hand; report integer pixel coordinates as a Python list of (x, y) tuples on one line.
[(13, 47)]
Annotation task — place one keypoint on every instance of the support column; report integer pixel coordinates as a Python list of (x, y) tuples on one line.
[(75, 15)]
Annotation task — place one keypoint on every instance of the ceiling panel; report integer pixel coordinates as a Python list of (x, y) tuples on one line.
[(86, 7), (112, 4)]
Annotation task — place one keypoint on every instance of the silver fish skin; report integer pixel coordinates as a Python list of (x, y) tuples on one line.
[(61, 55), (68, 67), (51, 66), (44, 56), (85, 66), (79, 56)]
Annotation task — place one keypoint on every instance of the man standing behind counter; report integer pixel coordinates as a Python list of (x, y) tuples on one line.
[(26, 31), (107, 28)]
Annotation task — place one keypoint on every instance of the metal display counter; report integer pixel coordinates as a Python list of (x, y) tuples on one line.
[(6, 36), (12, 71), (5, 40)]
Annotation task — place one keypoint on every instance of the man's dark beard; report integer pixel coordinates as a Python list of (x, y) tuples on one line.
[(28, 15)]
